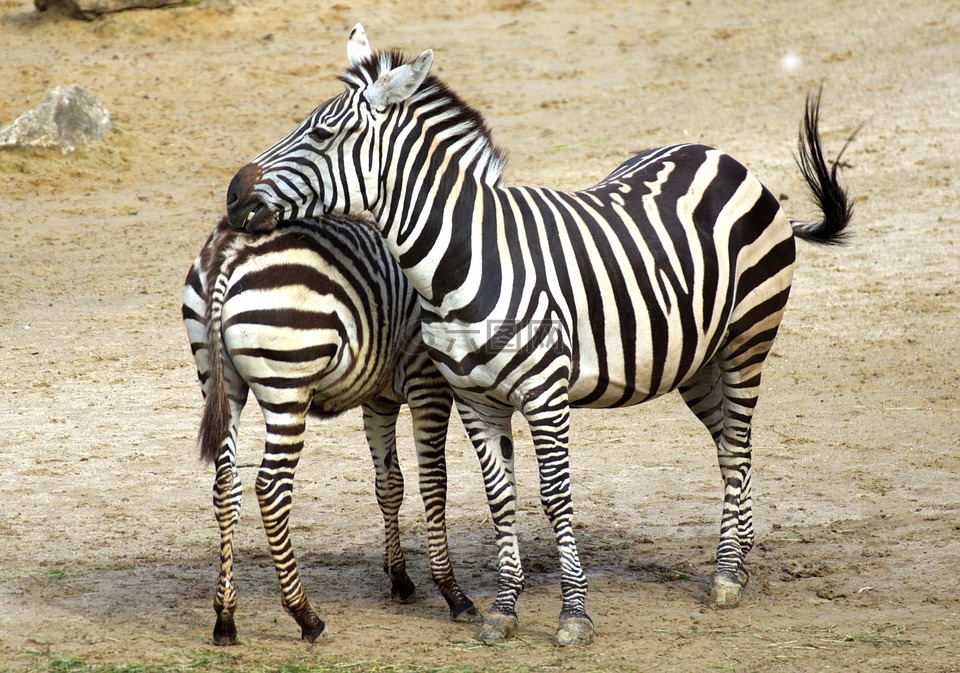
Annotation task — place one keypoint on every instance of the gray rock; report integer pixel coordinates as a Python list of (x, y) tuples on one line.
[(91, 9), (66, 118)]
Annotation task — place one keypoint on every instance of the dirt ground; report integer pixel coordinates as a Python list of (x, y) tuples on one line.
[(108, 546)]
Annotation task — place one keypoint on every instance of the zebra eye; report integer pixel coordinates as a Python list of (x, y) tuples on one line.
[(320, 134)]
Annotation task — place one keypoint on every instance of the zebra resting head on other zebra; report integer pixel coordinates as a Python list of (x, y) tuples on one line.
[(314, 318), (672, 273)]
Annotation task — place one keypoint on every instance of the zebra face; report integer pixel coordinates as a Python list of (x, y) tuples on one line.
[(331, 162), (295, 177)]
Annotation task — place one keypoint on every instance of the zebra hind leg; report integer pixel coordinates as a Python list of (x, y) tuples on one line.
[(705, 396), (430, 419), (227, 494), (286, 426), (741, 361), (380, 426)]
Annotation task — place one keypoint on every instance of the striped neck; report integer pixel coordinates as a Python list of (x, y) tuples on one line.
[(438, 147)]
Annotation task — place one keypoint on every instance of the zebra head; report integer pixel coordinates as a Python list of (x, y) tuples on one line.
[(331, 162)]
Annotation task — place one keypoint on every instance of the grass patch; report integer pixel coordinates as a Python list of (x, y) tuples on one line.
[(220, 663), (49, 663)]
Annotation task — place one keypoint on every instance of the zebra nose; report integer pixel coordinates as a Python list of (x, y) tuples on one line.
[(239, 203)]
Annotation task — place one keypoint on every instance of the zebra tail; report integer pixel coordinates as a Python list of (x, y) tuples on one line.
[(214, 424), (832, 199)]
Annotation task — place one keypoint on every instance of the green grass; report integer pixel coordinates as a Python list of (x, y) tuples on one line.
[(218, 663), (55, 664)]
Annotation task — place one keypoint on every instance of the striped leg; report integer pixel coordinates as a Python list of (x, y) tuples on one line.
[(705, 398), (227, 494), (703, 395), (736, 526), (490, 432), (740, 364), (286, 425), (380, 426), (550, 429), (430, 436)]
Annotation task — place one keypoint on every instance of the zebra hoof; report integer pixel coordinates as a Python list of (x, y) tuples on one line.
[(725, 592), (466, 613), (575, 631), (403, 590), (313, 633), (498, 628), (311, 626), (225, 632)]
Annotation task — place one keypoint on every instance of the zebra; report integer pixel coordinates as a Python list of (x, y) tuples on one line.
[(314, 318), (672, 273)]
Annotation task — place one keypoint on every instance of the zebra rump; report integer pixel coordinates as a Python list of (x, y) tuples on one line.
[(314, 318)]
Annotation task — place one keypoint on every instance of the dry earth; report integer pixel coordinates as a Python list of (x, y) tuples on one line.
[(107, 542)]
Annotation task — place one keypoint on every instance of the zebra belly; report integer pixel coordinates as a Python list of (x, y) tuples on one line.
[(649, 345), (611, 389), (511, 376), (652, 372)]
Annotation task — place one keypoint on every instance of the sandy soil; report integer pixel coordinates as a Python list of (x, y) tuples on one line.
[(107, 542)]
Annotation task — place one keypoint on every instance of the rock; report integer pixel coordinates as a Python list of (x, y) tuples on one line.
[(66, 118), (91, 9)]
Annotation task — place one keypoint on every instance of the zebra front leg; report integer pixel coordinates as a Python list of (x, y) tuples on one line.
[(550, 429), (490, 433), (430, 421), (380, 426), (286, 424)]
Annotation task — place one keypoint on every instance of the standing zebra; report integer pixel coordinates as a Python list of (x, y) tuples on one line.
[(670, 274), (317, 318)]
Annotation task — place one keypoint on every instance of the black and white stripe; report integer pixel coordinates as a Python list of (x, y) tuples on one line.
[(670, 274), (314, 318)]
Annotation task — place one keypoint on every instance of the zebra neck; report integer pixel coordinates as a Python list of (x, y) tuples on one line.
[(435, 230)]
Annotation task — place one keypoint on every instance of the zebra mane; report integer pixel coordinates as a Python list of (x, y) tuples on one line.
[(457, 113)]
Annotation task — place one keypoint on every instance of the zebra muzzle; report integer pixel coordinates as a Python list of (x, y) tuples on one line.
[(253, 217), (244, 210)]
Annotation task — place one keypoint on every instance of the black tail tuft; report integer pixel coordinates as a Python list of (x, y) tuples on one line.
[(832, 199)]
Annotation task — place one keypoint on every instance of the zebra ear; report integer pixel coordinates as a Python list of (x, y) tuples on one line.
[(400, 83), (358, 47)]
